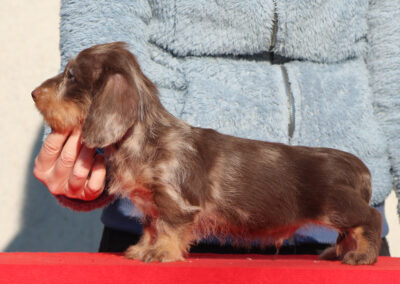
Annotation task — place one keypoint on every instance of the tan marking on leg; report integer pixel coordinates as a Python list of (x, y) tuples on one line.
[(169, 244), (365, 252), (138, 251), (166, 249), (362, 243)]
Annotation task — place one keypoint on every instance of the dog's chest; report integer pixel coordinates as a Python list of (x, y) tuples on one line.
[(131, 180)]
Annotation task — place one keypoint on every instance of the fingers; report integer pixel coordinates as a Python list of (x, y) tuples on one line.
[(80, 185), (81, 169), (95, 185), (49, 152), (66, 167), (68, 155)]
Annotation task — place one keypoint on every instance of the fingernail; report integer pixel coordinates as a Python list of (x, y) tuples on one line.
[(94, 192)]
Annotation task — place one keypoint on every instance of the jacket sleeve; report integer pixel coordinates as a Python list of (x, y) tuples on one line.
[(383, 61), (86, 23)]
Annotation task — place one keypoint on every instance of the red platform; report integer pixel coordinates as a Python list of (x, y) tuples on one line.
[(198, 268)]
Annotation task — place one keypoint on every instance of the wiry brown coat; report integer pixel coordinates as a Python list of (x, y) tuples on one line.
[(191, 182)]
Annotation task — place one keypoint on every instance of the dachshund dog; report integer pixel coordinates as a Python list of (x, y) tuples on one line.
[(191, 182)]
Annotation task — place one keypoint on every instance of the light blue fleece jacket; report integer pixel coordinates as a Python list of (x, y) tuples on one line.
[(212, 63)]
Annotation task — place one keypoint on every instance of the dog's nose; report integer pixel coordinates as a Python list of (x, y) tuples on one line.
[(35, 94)]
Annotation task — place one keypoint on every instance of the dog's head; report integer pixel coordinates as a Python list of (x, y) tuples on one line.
[(102, 90)]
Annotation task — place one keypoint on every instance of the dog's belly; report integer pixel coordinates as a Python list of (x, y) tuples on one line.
[(213, 224)]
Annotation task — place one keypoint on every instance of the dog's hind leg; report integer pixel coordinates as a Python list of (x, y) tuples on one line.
[(368, 238), (359, 225), (336, 252)]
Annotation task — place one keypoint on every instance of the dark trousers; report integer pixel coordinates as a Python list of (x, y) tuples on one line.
[(118, 241)]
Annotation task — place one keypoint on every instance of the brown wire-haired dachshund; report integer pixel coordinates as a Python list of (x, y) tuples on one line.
[(191, 182)]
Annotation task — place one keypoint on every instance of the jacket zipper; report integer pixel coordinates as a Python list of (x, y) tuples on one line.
[(291, 108), (280, 60), (274, 28)]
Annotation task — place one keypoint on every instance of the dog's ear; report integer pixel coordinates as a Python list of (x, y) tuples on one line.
[(112, 112)]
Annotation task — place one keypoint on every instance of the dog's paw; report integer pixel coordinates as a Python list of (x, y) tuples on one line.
[(357, 258), (135, 252), (330, 253), (162, 256), (152, 254)]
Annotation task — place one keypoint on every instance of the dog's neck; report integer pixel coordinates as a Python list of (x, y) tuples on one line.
[(141, 142)]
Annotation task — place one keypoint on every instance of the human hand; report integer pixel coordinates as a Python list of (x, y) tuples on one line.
[(63, 165)]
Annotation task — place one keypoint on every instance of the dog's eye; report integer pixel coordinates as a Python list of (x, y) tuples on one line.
[(70, 75)]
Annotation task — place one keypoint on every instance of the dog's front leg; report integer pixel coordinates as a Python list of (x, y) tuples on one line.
[(167, 229), (139, 250), (162, 241)]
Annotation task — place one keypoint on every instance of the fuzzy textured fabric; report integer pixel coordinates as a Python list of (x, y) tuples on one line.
[(207, 58), (383, 60), (322, 31)]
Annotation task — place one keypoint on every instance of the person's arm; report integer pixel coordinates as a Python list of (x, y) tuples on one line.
[(383, 62)]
